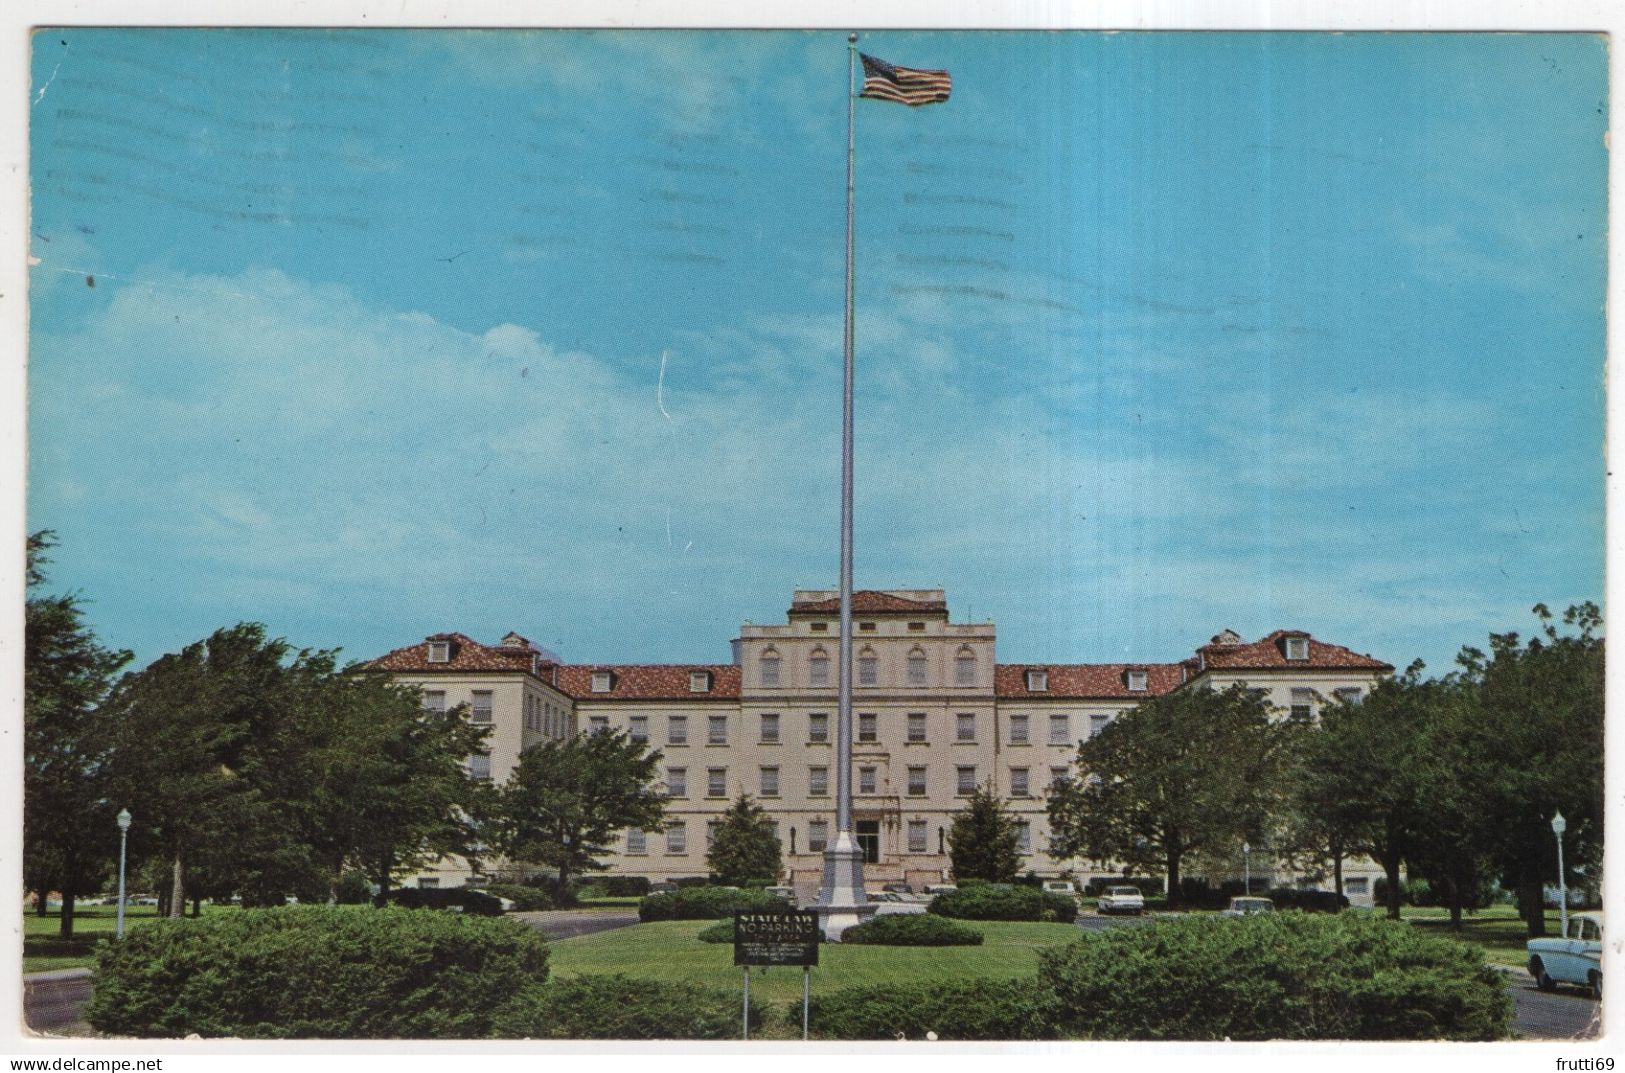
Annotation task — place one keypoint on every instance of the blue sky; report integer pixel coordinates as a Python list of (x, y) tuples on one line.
[(393, 332)]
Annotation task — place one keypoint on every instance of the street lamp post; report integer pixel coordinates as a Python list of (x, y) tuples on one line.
[(1247, 867), (1559, 825), (123, 839)]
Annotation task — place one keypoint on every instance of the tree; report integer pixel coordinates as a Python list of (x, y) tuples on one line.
[(1187, 772), (69, 836), (568, 797), (1538, 727), (745, 848), (984, 841)]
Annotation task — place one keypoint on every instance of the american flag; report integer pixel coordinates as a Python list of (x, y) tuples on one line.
[(887, 82)]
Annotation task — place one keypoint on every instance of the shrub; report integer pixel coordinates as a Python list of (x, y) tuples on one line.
[(1310, 901), (622, 886), (620, 1007), (469, 901), (919, 929), (1275, 976), (525, 899), (1001, 901), (563, 894), (351, 889), (973, 1009), (313, 972), (704, 903)]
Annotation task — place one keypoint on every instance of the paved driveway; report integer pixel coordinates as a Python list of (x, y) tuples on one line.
[(565, 923)]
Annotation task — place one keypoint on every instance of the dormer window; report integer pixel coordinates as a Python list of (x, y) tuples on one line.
[(1038, 681), (439, 651), (1137, 681), (1297, 648), (699, 681), (602, 681)]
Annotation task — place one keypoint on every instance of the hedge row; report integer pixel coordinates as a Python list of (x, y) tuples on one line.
[(313, 972), (911, 929), (475, 902), (1274, 976), (975, 1009), (1310, 901), (525, 899), (614, 887), (1002, 901), (621, 1007), (704, 903)]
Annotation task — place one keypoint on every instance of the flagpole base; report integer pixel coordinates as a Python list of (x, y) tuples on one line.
[(842, 902)]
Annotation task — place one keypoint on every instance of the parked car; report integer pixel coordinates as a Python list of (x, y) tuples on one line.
[(662, 888), (934, 889), (1061, 886), (897, 888), (1574, 958), (787, 893), (1120, 900), (1246, 907)]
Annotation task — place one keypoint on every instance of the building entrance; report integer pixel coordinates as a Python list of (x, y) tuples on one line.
[(869, 840)]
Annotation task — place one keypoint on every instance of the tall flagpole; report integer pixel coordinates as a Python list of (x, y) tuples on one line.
[(841, 900)]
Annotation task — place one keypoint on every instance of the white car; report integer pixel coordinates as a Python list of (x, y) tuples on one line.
[(1246, 907), (1575, 958), (1120, 900), (1061, 886)]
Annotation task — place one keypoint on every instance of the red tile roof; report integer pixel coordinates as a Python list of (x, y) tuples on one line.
[(871, 602), (1269, 654), (663, 681), (1073, 681), (467, 654)]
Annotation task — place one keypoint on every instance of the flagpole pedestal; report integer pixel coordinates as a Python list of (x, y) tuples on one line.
[(842, 902)]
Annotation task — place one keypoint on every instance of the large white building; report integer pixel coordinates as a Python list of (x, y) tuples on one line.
[(934, 716)]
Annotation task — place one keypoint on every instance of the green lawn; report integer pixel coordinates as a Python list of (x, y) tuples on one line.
[(668, 950), (1498, 929)]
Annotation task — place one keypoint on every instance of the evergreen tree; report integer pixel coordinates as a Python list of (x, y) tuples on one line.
[(745, 848), (984, 841)]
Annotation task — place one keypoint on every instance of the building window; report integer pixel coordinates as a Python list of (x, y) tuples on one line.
[(1097, 723), (965, 669), (965, 726), (1355, 885), (435, 701), (428, 882), (868, 727), (818, 727), (916, 627), (716, 782), (1137, 681), (965, 784), (699, 681), (602, 681), (916, 781), (597, 723), (637, 843), (1348, 694), (677, 730), (770, 671), (1057, 775), (770, 782), (1303, 704), (818, 670), (677, 782), (1018, 782), (439, 651), (480, 710), (1297, 648), (818, 782), (818, 627), (1018, 730), (916, 726), (817, 835), (1060, 729), (677, 839), (717, 730), (866, 780), (479, 766), (770, 729), (916, 836), (1037, 681), (711, 834), (916, 668), (637, 728), (868, 669), (1024, 837), (866, 627)]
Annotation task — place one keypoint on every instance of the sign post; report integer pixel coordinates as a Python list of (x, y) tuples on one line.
[(777, 937)]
